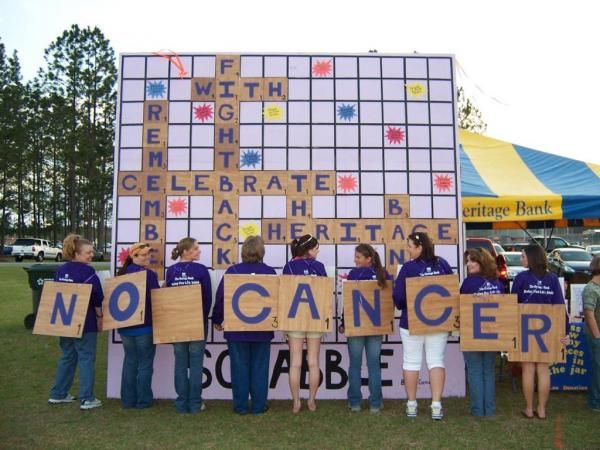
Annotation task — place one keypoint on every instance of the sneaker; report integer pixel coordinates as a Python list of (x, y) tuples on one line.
[(196, 411), (355, 408), (375, 411), (90, 404), (437, 413), (56, 401), (411, 410)]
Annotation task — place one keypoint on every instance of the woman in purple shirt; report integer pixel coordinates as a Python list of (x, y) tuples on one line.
[(139, 348), (79, 351), (190, 354), (304, 252), (249, 351), (368, 267), (537, 286), (423, 263), (481, 366)]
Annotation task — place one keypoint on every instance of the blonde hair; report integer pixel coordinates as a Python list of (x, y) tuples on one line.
[(253, 249), (72, 245), (183, 245)]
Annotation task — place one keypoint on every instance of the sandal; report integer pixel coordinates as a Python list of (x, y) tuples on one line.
[(527, 416)]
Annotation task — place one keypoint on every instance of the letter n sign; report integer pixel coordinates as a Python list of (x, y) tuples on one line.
[(540, 330), (368, 309), (62, 310), (250, 302), (432, 304), (124, 302)]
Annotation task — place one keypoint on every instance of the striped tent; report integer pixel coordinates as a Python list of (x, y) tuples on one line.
[(503, 182)]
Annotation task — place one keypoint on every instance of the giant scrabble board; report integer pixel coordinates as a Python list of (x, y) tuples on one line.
[(349, 148)]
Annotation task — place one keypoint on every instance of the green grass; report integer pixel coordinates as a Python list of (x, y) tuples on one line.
[(28, 362)]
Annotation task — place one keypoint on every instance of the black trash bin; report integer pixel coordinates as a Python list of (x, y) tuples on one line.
[(38, 274)]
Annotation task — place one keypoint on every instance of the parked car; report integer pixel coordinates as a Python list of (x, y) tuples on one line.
[(488, 244), (553, 243), (98, 255), (6, 250), (570, 261), (515, 246), (35, 248), (513, 264), (593, 249)]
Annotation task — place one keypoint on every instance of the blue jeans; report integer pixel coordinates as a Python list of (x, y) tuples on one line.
[(594, 387), (481, 376), (249, 363), (74, 351), (372, 346), (138, 366), (189, 386)]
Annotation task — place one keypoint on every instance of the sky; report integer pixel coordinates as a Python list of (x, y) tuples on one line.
[(530, 66)]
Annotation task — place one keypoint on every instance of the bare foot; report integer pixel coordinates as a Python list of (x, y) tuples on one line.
[(297, 406), (312, 405)]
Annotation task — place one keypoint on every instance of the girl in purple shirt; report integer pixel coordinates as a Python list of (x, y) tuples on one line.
[(79, 351), (538, 286), (481, 366), (304, 253)]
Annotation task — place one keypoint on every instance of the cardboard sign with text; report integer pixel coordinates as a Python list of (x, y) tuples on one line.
[(177, 314), (368, 309), (540, 328), (62, 310), (432, 304), (124, 302), (305, 303), (250, 302), (488, 322)]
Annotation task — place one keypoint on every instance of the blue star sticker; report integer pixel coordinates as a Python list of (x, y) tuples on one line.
[(156, 89), (250, 158), (346, 112)]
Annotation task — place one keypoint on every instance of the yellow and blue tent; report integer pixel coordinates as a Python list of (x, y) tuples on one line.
[(503, 182)]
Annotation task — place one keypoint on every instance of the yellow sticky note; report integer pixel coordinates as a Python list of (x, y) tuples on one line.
[(416, 89), (273, 112), (249, 229)]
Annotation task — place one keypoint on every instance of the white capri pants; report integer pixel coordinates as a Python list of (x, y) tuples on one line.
[(412, 350)]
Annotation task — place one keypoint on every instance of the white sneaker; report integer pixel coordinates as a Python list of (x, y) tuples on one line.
[(411, 410), (90, 404), (437, 413), (56, 401)]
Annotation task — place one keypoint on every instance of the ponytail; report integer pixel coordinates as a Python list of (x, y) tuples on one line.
[(73, 244), (184, 244), (379, 270), (123, 269)]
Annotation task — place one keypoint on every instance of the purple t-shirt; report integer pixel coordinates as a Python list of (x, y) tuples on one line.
[(476, 284), (78, 272), (189, 272), (416, 268), (219, 312), (542, 291), (151, 283), (304, 266)]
